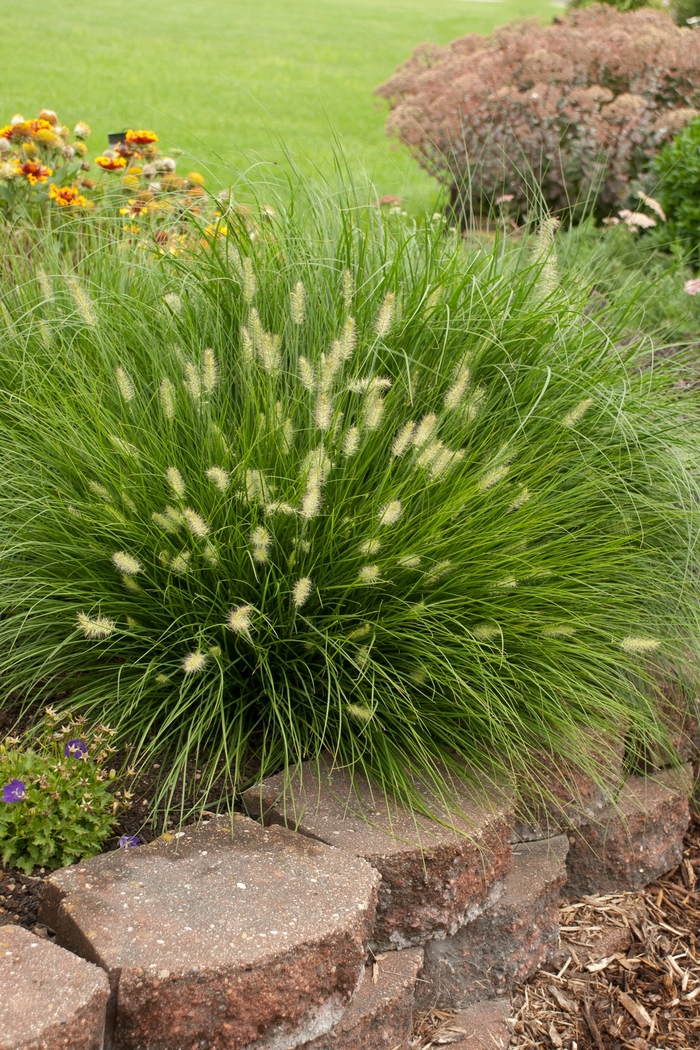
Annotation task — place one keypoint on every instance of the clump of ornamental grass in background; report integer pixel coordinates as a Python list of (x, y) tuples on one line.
[(55, 803), (352, 487)]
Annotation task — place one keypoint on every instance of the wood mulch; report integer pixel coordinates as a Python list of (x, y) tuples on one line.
[(628, 976)]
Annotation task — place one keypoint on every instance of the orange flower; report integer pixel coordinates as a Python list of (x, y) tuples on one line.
[(6, 132), (141, 138), (111, 163), (34, 172), (67, 196)]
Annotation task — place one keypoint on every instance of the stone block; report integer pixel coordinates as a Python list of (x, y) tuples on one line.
[(380, 1017), (508, 942), (220, 938), (434, 877), (565, 795), (635, 840), (484, 1026), (49, 998)]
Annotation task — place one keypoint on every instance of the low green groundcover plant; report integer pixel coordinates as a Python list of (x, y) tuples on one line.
[(349, 487), (55, 802)]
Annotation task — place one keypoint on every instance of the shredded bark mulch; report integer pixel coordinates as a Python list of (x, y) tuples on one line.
[(629, 977)]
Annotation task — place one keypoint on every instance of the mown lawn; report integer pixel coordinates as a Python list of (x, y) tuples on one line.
[(227, 80)]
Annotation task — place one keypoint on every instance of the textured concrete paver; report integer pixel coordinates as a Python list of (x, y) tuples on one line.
[(380, 1016), (49, 999), (434, 878), (484, 1026), (220, 940), (508, 942), (635, 840)]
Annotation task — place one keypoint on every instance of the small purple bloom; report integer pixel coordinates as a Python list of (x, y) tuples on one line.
[(14, 791), (127, 841), (75, 749)]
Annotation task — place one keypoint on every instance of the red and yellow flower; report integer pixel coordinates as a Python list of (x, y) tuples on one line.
[(34, 171), (67, 196), (141, 137), (111, 163)]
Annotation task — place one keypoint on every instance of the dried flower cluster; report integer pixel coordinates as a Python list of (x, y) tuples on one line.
[(578, 107)]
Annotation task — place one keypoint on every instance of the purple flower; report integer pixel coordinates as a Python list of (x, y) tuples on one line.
[(14, 791), (127, 841), (75, 749)]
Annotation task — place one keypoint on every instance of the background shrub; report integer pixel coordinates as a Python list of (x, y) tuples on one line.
[(569, 113), (55, 806), (677, 176), (350, 486)]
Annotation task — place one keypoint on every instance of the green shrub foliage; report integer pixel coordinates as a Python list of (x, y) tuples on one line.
[(677, 174), (347, 487), (55, 806)]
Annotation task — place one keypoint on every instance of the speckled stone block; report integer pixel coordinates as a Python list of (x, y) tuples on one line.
[(49, 998), (508, 942), (380, 1016), (484, 1026), (568, 796), (219, 939), (434, 878), (635, 840)]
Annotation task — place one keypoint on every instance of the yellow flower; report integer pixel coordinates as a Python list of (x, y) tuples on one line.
[(67, 196), (194, 176), (111, 163), (141, 138)]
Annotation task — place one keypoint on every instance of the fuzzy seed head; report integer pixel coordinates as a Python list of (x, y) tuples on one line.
[(373, 411), (210, 370), (385, 317), (249, 284), (425, 430), (270, 357), (485, 631), (193, 663), (301, 591), (576, 414), (492, 477), (297, 303), (162, 522), (167, 398), (192, 381), (130, 584), (255, 328), (176, 481), (369, 574), (239, 619), (410, 561), (306, 374), (360, 632), (358, 712), (455, 395), (219, 477), (311, 503), (391, 513), (558, 631), (181, 563), (195, 522), (351, 442), (46, 286), (638, 645), (83, 302), (246, 346), (260, 540), (210, 553), (348, 289), (474, 403), (100, 491), (370, 547), (95, 626), (126, 564), (445, 461), (348, 339), (126, 387), (521, 499), (256, 488), (174, 302), (403, 440), (323, 413)]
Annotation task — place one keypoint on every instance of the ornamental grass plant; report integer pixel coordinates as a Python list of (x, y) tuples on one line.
[(350, 487)]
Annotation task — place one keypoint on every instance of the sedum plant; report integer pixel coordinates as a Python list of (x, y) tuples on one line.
[(351, 488), (55, 803)]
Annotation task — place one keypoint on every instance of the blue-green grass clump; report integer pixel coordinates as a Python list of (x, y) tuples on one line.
[(350, 487)]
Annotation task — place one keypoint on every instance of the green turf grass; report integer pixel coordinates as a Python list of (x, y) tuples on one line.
[(227, 80)]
